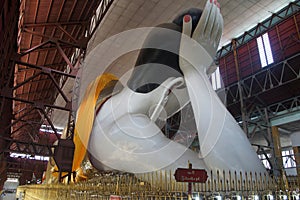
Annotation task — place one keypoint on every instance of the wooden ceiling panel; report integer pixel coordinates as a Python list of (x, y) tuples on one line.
[(58, 34), (68, 8), (86, 14), (31, 8), (26, 88), (79, 8), (33, 57), (50, 54), (57, 58), (26, 37), (21, 77), (34, 87), (52, 58), (55, 10), (25, 95), (48, 32), (78, 30), (24, 59), (43, 11), (29, 74), (36, 40), (70, 30), (42, 78), (18, 92), (42, 56)]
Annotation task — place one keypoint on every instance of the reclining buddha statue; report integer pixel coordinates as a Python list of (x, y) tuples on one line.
[(117, 124)]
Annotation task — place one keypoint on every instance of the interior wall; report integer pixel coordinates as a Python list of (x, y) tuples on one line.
[(283, 40)]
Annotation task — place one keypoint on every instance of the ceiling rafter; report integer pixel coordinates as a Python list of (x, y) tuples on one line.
[(66, 23), (30, 148), (78, 45)]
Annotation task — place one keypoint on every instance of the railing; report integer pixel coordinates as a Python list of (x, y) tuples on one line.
[(161, 185)]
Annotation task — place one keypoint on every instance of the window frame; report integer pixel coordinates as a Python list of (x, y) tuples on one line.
[(264, 50)]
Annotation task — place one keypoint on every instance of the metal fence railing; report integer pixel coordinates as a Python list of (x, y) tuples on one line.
[(162, 185)]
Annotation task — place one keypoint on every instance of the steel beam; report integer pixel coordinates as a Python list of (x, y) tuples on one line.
[(67, 33), (58, 88), (264, 80), (50, 123), (28, 25), (20, 118), (44, 69), (280, 113), (35, 47), (264, 150), (242, 106), (30, 148), (284, 107), (286, 118), (35, 103), (47, 48), (27, 80), (297, 158), (77, 45), (278, 158), (65, 57)]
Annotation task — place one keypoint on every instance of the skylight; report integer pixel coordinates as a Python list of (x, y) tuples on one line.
[(264, 48)]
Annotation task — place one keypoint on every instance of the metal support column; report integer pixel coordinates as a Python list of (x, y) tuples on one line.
[(297, 158), (243, 110), (278, 158), (269, 139)]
